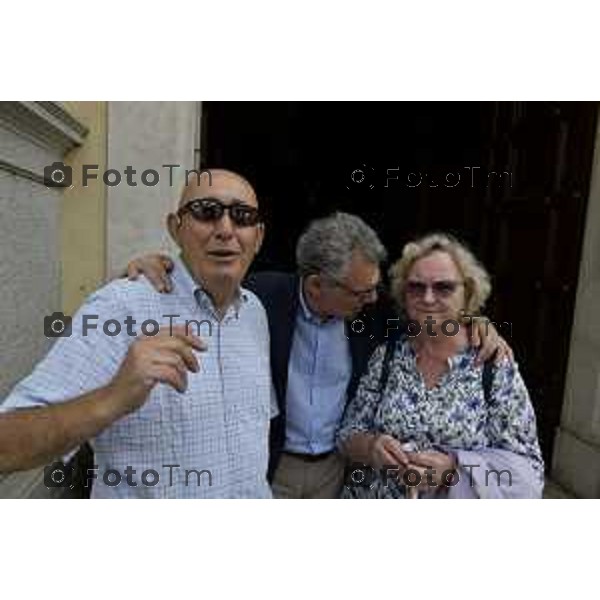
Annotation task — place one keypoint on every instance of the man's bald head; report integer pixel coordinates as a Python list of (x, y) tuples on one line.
[(218, 183), (217, 239)]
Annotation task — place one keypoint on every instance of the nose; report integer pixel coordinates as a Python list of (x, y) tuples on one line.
[(224, 226), (372, 297), (367, 298), (429, 296)]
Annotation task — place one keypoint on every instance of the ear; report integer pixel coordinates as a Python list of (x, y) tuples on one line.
[(260, 236), (173, 225), (313, 283)]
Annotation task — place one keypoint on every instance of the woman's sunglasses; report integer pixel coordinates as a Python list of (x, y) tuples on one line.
[(440, 289)]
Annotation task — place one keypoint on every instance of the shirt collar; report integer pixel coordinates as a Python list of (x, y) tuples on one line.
[(462, 359), (184, 280), (307, 313)]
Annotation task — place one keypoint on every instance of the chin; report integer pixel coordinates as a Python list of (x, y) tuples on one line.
[(225, 275)]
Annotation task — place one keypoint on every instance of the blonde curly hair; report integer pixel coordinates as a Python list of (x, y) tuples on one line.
[(476, 278)]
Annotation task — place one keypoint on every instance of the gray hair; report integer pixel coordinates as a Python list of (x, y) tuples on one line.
[(327, 245)]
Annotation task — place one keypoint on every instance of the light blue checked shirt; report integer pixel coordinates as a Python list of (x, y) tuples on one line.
[(216, 432), (319, 371)]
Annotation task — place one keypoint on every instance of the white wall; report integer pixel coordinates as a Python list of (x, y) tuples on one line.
[(146, 135), (32, 135)]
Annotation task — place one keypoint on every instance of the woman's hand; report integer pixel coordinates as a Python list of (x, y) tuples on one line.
[(431, 466), (387, 451), (156, 268)]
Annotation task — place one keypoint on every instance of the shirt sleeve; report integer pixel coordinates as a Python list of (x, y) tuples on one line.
[(361, 410), (511, 422), (265, 337), (78, 363)]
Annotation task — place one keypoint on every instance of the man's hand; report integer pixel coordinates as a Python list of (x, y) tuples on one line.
[(386, 450), (163, 358), (156, 268), (32, 437), (486, 337)]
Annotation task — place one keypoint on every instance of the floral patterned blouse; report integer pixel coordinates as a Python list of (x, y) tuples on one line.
[(453, 415)]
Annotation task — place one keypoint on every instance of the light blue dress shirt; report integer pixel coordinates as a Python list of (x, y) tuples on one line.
[(319, 371), (219, 425)]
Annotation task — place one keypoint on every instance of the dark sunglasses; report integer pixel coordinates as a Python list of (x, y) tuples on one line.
[(210, 210), (441, 289)]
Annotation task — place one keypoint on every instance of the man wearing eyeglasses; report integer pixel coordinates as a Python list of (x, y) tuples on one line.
[(319, 348), (315, 358), (168, 413)]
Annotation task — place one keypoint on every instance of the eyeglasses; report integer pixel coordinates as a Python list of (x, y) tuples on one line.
[(210, 210), (440, 289), (360, 294)]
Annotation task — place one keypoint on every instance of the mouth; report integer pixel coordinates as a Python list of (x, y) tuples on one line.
[(434, 314), (223, 254)]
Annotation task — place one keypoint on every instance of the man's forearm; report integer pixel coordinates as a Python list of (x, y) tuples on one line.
[(34, 437)]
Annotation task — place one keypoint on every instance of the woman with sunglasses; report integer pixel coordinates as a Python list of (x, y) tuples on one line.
[(427, 421)]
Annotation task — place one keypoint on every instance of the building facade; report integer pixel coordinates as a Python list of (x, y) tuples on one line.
[(58, 244)]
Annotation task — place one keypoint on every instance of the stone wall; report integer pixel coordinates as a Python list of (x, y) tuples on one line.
[(577, 445)]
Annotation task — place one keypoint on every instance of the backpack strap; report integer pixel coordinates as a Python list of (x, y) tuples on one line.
[(487, 375), (487, 380), (390, 346)]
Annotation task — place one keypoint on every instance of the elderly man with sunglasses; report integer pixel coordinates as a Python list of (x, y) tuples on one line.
[(325, 323), (167, 412)]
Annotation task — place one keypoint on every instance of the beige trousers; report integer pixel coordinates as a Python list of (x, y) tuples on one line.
[(297, 477)]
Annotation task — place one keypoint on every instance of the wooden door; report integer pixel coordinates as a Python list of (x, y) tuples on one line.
[(524, 170)]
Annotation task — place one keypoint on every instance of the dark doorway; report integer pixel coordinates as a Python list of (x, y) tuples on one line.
[(509, 178)]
